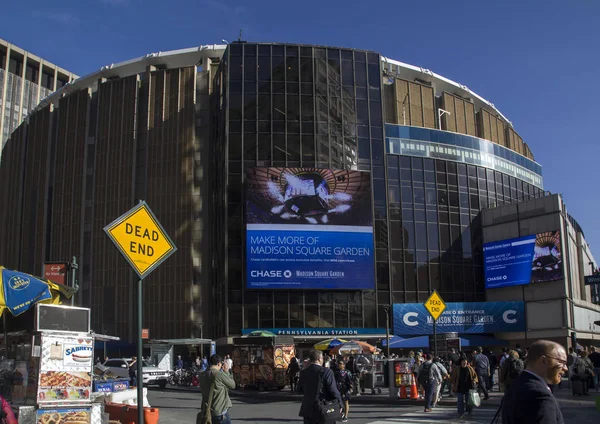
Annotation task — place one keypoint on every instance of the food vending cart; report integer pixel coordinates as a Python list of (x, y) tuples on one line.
[(59, 379), (262, 362), (401, 376)]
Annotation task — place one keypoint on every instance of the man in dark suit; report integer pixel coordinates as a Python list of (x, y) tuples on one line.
[(529, 400), (308, 384)]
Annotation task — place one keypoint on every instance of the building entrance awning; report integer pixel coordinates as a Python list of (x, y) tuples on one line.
[(181, 342), (466, 340)]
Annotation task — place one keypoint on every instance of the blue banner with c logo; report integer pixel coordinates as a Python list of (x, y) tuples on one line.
[(412, 319)]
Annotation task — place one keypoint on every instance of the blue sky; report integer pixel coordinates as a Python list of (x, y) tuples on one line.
[(537, 61)]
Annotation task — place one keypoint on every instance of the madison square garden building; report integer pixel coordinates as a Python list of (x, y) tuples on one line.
[(305, 187)]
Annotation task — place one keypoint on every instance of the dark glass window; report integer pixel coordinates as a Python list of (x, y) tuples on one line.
[(347, 72), (306, 70), (361, 75), (374, 76), (249, 68), (264, 68)]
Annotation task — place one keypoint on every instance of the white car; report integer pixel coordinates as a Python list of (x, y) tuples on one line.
[(152, 375)]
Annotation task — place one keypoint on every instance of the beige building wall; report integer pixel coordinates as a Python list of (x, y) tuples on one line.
[(553, 309), (25, 79)]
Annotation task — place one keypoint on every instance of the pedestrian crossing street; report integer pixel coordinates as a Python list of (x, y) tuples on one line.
[(441, 414)]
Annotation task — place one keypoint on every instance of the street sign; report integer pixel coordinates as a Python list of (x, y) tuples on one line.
[(145, 244), (435, 305), (56, 272), (145, 333), (141, 239), (592, 279)]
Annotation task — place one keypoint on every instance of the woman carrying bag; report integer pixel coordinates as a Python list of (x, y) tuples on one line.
[(462, 381)]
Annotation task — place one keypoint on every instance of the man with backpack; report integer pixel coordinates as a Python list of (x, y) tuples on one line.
[(427, 377), (511, 369)]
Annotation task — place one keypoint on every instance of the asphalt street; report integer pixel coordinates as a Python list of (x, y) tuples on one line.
[(178, 406)]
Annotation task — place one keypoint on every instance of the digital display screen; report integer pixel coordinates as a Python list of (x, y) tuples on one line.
[(530, 259), (309, 228)]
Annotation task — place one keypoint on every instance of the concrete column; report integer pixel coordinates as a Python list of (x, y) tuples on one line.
[(39, 81), (55, 79), (3, 88), (23, 74)]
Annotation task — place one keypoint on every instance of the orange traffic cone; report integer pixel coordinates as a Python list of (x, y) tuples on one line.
[(414, 394), (403, 394)]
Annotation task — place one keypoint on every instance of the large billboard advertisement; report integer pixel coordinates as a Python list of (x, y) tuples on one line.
[(309, 228), (412, 319), (530, 259)]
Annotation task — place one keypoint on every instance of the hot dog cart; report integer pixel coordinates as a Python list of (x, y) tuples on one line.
[(55, 386), (262, 362)]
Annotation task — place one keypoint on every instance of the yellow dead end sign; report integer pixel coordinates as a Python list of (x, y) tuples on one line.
[(435, 305), (141, 239)]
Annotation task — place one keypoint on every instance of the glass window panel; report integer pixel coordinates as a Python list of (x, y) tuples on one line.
[(376, 113), (249, 68), (306, 69), (293, 147), (444, 237), (421, 236), (293, 107), (433, 235), (279, 151), (362, 112), (308, 149), (249, 146), (306, 51), (360, 75), (278, 69), (347, 72), (235, 69), (410, 277), (374, 76), (264, 147), (250, 106), (264, 68)]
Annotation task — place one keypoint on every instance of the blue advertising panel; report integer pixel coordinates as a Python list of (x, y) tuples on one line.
[(309, 228), (460, 317), (513, 262)]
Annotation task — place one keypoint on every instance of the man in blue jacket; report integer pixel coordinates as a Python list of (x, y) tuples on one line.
[(309, 383), (529, 399)]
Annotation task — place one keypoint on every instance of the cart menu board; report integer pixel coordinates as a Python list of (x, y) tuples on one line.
[(65, 370), (67, 416)]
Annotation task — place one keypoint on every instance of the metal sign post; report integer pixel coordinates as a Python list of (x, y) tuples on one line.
[(435, 306), (145, 245)]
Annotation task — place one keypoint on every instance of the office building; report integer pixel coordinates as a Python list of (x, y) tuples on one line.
[(25, 79)]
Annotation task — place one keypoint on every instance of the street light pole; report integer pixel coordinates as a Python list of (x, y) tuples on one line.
[(73, 267), (387, 329), (440, 114)]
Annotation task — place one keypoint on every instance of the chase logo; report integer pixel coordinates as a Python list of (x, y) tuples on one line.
[(287, 273), (18, 282), (266, 274), (497, 278)]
